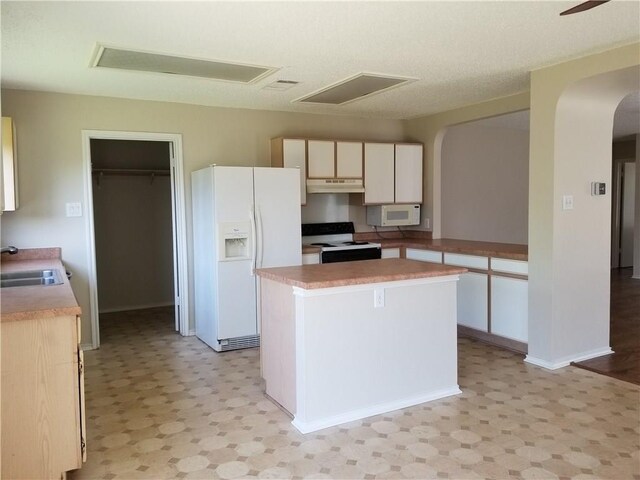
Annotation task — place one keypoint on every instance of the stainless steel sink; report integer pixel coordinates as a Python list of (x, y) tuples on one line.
[(30, 277)]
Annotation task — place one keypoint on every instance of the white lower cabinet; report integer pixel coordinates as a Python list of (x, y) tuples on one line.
[(310, 258), (509, 307), (390, 253), (424, 255), (473, 294)]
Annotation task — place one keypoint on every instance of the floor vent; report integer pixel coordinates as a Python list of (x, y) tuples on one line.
[(355, 88), (240, 342), (109, 57)]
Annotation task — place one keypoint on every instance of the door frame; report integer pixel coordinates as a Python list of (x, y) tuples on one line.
[(180, 274)]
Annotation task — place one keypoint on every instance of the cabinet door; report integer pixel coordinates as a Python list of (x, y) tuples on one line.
[(390, 253), (378, 173), (321, 159), (310, 258), (294, 154), (8, 169), (349, 159), (408, 170), (424, 255), (509, 307), (472, 301)]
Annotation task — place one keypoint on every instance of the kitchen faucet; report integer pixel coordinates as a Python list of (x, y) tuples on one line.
[(11, 250)]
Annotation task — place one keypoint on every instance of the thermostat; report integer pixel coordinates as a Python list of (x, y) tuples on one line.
[(598, 188)]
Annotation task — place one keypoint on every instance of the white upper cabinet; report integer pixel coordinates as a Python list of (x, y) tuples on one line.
[(349, 159), (379, 173), (291, 153), (8, 169), (322, 159), (408, 169)]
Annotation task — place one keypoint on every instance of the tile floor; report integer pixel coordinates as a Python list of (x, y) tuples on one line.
[(163, 406)]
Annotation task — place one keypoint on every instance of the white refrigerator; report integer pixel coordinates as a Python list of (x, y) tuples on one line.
[(243, 218)]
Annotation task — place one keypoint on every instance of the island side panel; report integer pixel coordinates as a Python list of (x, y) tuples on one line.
[(277, 343), (355, 360)]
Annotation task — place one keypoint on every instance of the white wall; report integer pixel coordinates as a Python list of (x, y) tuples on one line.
[(485, 176), (49, 127)]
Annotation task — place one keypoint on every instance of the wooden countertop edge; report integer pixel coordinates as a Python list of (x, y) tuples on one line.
[(291, 275), (427, 244), (37, 302)]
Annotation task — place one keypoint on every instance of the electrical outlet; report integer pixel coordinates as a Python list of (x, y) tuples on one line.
[(74, 209), (378, 297), (427, 223)]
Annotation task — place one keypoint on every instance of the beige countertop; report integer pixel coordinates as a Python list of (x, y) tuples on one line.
[(356, 273), (38, 301), (470, 247)]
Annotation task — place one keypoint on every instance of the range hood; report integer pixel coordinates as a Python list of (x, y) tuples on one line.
[(335, 185)]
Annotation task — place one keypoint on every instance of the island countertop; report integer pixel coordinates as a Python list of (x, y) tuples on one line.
[(341, 274)]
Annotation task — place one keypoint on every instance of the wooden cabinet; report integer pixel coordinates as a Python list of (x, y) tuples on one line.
[(349, 159), (43, 430), (322, 160), (379, 173), (8, 170), (392, 173), (291, 153), (408, 173)]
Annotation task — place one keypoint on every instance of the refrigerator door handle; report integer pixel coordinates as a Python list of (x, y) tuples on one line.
[(259, 246), (253, 242)]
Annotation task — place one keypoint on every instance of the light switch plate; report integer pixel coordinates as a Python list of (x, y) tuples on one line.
[(378, 297), (74, 209), (567, 202)]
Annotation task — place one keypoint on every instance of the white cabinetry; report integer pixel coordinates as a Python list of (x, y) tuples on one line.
[(424, 255), (509, 307), (349, 159), (291, 153), (390, 253), (472, 301), (322, 159), (408, 169), (392, 173), (379, 173), (310, 258)]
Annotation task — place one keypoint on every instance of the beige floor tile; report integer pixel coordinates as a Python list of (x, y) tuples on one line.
[(164, 406)]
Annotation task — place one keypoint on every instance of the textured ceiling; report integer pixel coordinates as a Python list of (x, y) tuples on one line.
[(460, 52)]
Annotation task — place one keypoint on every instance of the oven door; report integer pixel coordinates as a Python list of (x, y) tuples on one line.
[(350, 255)]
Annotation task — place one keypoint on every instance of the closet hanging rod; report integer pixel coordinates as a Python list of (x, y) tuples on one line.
[(130, 171)]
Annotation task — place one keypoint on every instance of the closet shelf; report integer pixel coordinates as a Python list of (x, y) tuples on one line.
[(129, 171)]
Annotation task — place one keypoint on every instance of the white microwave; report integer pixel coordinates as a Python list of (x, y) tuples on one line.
[(393, 215)]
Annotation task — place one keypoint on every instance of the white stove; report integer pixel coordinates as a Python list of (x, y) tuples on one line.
[(336, 242)]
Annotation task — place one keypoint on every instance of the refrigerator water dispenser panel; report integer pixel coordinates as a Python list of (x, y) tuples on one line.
[(234, 241)]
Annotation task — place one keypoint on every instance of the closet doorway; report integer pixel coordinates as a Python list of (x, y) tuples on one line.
[(135, 227)]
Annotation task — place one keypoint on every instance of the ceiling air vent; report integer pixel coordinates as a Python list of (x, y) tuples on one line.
[(354, 88), (281, 85), (154, 62)]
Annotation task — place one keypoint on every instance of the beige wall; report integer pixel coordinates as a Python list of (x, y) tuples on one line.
[(49, 129), (432, 129), (572, 108), (485, 191)]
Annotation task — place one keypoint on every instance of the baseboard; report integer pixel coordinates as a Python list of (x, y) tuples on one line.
[(86, 346), (191, 333), (136, 307), (313, 426), (566, 361)]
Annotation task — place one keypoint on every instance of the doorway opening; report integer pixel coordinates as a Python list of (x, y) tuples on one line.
[(136, 228)]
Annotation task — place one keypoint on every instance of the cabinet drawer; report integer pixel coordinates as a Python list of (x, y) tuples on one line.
[(469, 261), (310, 258), (390, 253), (424, 255), (510, 266)]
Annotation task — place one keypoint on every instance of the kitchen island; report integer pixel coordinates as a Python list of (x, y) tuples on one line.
[(345, 341)]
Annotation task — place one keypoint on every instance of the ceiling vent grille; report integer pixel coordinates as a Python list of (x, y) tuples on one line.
[(355, 88), (281, 85), (109, 57)]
